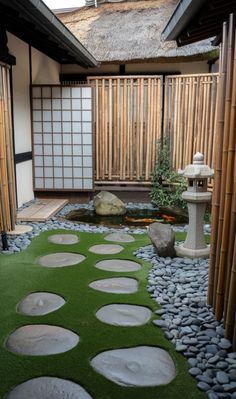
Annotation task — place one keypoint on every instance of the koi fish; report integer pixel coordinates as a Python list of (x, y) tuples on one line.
[(145, 220), (169, 218)]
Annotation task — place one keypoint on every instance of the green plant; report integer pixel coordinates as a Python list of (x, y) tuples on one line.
[(167, 185)]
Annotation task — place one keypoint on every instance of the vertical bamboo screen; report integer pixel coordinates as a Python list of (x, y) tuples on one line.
[(127, 124), (222, 274), (190, 117), (7, 180)]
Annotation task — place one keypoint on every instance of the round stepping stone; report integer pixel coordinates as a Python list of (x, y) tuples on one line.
[(65, 239), (106, 249), (60, 259), (142, 366), (116, 285), (40, 303), (124, 315), (119, 237), (48, 388), (41, 339), (118, 265), (20, 229)]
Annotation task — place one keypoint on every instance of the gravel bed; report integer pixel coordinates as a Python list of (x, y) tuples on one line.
[(179, 286)]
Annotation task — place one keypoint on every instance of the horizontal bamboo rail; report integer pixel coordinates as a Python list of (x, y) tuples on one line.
[(222, 273), (7, 180), (127, 125)]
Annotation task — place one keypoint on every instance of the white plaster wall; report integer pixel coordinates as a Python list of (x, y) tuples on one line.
[(183, 68), (152, 67), (71, 68), (21, 97), (24, 182), (44, 69)]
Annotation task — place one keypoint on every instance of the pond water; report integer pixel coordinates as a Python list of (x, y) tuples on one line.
[(134, 217)]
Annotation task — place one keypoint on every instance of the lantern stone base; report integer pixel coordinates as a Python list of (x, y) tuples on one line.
[(192, 253)]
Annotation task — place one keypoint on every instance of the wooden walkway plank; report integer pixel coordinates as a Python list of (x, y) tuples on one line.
[(42, 210)]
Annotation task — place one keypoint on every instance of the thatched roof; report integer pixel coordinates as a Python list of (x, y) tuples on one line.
[(131, 31)]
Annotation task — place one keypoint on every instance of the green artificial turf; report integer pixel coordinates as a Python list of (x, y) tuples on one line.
[(20, 275)]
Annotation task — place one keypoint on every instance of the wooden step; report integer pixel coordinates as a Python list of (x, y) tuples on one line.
[(41, 210)]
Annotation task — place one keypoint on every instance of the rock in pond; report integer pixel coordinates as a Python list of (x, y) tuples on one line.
[(106, 203)]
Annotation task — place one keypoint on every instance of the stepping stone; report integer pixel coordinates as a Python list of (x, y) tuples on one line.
[(142, 366), (65, 239), (106, 249), (119, 237), (116, 285), (20, 229), (118, 265), (41, 339), (40, 303), (48, 388), (124, 315), (60, 259)]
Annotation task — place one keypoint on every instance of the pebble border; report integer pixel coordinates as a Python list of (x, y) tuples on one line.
[(179, 286)]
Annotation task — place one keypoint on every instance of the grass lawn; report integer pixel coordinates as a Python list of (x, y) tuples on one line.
[(20, 275)]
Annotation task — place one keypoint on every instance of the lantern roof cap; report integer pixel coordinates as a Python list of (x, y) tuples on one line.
[(197, 169)]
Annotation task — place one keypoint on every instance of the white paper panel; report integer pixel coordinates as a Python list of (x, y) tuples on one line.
[(62, 136)]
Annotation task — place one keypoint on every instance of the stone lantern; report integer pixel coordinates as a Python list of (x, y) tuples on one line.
[(197, 197)]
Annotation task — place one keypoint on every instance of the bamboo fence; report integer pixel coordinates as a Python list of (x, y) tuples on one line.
[(127, 125), (222, 273), (7, 180), (190, 116)]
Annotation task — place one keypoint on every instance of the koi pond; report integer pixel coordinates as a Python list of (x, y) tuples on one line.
[(134, 217)]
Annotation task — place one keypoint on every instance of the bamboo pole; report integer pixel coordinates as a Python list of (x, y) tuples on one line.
[(128, 129), (110, 146), (230, 322), (118, 126), (149, 127), (223, 224), (132, 128), (138, 130), (141, 141), (9, 152), (103, 132), (230, 197), (115, 167), (124, 165), (152, 116), (213, 272), (97, 130)]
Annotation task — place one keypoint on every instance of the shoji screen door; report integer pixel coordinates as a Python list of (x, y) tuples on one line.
[(62, 137)]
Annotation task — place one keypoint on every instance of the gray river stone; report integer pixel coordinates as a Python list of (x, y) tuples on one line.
[(48, 388), (65, 239), (106, 249), (41, 339), (40, 303), (116, 285), (119, 237), (124, 315), (142, 366), (60, 259), (118, 265)]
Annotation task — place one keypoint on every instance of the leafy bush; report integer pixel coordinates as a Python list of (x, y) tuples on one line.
[(167, 185)]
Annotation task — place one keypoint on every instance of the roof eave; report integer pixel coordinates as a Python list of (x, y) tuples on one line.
[(183, 13), (43, 18)]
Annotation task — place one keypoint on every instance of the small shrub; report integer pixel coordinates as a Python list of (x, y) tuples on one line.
[(167, 185)]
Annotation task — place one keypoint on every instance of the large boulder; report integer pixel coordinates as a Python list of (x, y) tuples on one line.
[(107, 204), (163, 239)]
